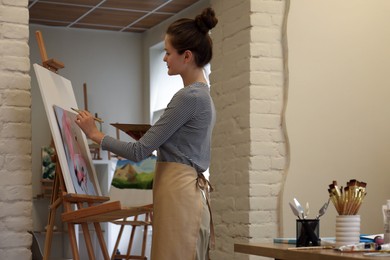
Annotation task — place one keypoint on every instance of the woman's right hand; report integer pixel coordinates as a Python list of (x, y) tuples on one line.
[(86, 122)]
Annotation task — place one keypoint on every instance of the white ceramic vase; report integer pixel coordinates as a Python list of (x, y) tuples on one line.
[(347, 229)]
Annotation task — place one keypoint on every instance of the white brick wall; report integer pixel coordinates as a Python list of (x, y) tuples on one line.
[(248, 152), (249, 149), (15, 132)]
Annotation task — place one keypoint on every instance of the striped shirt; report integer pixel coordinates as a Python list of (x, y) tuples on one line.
[(182, 134)]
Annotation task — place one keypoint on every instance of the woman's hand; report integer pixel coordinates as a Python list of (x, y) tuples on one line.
[(86, 122)]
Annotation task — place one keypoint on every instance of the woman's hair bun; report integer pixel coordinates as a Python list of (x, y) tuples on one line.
[(206, 20)]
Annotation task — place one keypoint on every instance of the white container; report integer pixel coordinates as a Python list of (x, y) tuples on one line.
[(386, 222), (347, 229)]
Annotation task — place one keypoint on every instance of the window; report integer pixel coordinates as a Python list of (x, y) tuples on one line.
[(162, 86)]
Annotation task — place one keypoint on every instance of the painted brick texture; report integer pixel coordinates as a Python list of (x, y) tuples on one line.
[(249, 148), (15, 132)]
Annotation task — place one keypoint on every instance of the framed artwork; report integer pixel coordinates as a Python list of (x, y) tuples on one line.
[(48, 163), (80, 168), (58, 91), (134, 175)]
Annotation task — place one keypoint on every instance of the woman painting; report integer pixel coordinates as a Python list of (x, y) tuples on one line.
[(182, 137)]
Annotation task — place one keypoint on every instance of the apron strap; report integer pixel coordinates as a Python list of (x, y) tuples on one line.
[(206, 186)]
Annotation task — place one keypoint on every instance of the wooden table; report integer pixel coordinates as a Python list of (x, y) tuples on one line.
[(290, 252)]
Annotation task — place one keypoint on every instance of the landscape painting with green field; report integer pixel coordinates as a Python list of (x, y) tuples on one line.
[(134, 175)]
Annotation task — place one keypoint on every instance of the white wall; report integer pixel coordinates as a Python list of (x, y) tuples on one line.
[(338, 112), (111, 65), (151, 42)]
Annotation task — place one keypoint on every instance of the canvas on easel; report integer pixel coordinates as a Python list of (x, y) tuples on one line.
[(57, 91), (82, 209), (133, 180), (80, 168), (135, 175), (140, 175)]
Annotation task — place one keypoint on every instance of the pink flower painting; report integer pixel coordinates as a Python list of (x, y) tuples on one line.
[(76, 152)]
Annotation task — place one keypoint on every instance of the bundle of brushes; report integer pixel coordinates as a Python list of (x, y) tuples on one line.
[(347, 200)]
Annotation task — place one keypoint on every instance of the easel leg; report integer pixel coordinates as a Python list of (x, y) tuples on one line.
[(48, 237), (87, 236), (133, 228), (71, 227), (118, 240), (51, 220), (100, 237), (145, 235), (102, 243), (88, 241), (73, 241)]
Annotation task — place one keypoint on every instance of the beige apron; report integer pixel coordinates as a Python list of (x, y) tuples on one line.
[(177, 203)]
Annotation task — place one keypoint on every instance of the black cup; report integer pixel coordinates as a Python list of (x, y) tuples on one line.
[(308, 232)]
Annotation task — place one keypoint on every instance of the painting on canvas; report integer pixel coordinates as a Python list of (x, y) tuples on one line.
[(48, 162), (58, 91), (134, 175), (76, 152)]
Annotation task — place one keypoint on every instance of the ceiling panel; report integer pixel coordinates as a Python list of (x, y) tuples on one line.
[(134, 4), (74, 2), (110, 17), (114, 15), (152, 20), (176, 6), (57, 12)]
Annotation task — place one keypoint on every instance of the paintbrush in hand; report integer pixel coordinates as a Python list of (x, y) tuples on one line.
[(95, 118)]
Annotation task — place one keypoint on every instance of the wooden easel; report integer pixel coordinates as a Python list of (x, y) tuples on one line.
[(61, 197), (51, 64), (134, 224), (94, 148), (89, 209)]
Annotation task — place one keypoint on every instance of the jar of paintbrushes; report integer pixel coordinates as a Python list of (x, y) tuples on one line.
[(347, 201)]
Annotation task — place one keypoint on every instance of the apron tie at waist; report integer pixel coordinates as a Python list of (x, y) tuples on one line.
[(206, 186)]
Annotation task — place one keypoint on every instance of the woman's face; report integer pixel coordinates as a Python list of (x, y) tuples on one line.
[(174, 60)]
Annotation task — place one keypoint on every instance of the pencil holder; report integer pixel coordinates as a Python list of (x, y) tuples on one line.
[(308, 232), (347, 229)]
